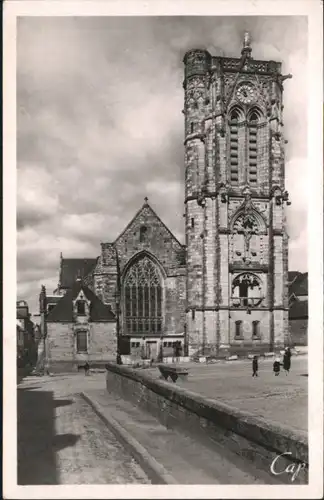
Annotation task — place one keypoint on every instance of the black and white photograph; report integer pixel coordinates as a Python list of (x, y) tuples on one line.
[(163, 226)]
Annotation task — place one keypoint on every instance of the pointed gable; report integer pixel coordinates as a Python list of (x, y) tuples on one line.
[(147, 232), (146, 214), (63, 311)]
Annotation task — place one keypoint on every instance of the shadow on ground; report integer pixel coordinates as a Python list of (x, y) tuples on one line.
[(23, 372), (37, 442)]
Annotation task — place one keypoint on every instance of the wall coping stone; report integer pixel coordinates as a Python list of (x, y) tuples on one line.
[(272, 436)]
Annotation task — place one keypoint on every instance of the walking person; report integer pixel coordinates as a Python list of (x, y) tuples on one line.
[(174, 349), (276, 366), (287, 360), (255, 366), (86, 368), (178, 351)]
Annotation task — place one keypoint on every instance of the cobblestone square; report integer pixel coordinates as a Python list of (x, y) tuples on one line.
[(280, 399)]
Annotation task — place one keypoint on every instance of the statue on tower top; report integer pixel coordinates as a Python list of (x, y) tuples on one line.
[(247, 39), (247, 44)]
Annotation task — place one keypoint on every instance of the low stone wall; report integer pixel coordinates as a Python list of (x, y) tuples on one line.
[(253, 439), (71, 366)]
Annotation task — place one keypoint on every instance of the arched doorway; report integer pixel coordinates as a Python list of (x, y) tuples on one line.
[(143, 298)]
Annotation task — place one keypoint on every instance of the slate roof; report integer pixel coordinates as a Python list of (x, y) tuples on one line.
[(299, 285), (63, 310), (292, 275), (71, 269), (53, 299), (299, 309)]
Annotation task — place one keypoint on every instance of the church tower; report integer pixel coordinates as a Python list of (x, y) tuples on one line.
[(235, 197)]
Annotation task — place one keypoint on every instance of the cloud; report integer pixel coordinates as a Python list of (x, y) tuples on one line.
[(37, 199), (99, 127)]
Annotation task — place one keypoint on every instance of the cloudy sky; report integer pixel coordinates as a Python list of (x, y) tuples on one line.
[(100, 127)]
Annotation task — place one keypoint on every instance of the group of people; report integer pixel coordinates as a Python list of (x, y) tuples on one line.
[(286, 363)]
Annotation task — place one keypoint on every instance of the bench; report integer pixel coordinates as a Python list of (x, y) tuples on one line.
[(174, 372)]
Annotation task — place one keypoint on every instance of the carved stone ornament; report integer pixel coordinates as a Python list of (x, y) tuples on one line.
[(223, 191), (246, 223), (280, 196)]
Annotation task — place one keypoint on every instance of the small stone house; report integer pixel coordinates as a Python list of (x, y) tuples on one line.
[(80, 329)]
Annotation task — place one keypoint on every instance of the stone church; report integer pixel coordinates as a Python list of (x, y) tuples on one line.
[(226, 289)]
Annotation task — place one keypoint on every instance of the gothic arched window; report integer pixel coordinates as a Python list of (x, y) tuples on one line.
[(142, 298), (233, 133), (246, 290), (253, 120)]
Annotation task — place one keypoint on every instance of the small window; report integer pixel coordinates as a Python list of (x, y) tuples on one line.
[(82, 341), (193, 314), (256, 328), (81, 308), (192, 222), (143, 231), (191, 128), (238, 328)]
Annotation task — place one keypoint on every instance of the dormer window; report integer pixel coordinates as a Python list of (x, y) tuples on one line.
[(81, 310)]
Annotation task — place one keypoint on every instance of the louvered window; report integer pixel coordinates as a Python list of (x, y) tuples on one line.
[(253, 148), (234, 164)]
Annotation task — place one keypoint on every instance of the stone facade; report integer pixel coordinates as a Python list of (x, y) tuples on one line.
[(237, 245), (80, 329), (146, 242), (62, 344)]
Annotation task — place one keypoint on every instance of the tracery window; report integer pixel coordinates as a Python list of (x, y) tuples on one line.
[(143, 298)]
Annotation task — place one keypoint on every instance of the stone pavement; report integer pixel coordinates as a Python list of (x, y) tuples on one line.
[(281, 399), (62, 441), (187, 459)]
